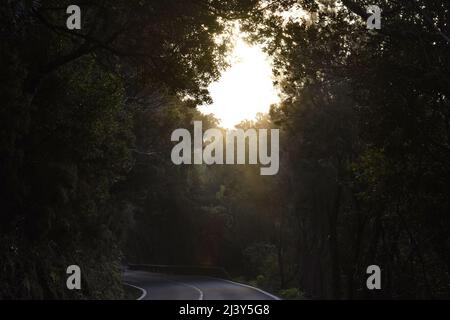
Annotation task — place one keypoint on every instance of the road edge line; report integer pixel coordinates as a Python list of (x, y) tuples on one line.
[(144, 292)]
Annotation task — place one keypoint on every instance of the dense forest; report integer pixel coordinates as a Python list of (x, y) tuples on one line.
[(86, 117)]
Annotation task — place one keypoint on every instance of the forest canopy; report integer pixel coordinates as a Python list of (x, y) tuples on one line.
[(86, 118)]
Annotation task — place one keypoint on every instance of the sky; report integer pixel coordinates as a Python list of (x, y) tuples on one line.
[(245, 88)]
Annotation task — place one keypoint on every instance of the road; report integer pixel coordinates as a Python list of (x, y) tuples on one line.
[(157, 286)]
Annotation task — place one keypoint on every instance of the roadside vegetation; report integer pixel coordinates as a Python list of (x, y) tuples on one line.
[(86, 176)]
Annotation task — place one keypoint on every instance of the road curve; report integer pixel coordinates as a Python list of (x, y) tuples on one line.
[(157, 286)]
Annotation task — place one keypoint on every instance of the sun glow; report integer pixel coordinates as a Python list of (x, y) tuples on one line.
[(245, 88)]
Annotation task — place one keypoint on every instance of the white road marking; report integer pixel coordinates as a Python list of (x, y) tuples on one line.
[(200, 297), (247, 286), (144, 292)]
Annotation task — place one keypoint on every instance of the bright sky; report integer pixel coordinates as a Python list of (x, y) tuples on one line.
[(245, 88)]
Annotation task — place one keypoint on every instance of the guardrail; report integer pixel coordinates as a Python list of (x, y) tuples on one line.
[(183, 270)]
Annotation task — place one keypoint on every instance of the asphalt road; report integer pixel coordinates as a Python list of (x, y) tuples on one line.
[(157, 286)]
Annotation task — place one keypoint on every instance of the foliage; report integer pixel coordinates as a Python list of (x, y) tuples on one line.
[(86, 117)]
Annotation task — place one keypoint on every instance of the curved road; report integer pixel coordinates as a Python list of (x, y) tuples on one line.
[(157, 286)]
